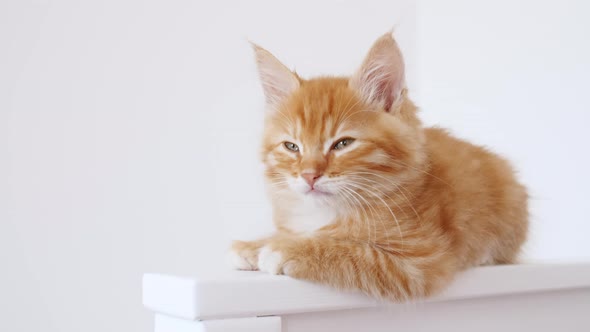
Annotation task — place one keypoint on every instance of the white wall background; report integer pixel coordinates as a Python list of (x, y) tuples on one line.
[(129, 130)]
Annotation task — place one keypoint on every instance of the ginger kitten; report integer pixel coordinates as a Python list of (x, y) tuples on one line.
[(364, 197)]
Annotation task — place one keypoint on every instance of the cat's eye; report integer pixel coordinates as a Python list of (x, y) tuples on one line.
[(291, 146), (341, 144)]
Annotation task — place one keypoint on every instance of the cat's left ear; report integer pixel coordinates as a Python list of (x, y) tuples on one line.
[(380, 80), (278, 82)]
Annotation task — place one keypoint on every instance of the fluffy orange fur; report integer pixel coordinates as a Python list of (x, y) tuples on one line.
[(395, 211)]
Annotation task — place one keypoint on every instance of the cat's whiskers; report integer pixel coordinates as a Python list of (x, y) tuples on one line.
[(276, 176), (280, 184), (376, 187), (351, 206), (396, 185), (368, 189), (417, 169), (358, 207), (277, 180), (363, 208), (359, 186), (385, 229), (374, 213)]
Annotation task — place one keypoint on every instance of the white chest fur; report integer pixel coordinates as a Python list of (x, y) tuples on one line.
[(309, 217)]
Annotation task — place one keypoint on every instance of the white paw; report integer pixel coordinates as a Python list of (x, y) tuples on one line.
[(269, 260), (238, 262)]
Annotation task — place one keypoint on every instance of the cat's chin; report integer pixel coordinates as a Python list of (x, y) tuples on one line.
[(317, 197)]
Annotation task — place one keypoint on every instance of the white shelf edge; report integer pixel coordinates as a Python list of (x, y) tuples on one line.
[(249, 294)]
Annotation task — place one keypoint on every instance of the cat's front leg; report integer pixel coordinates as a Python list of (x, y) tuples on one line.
[(347, 264), (243, 255), (288, 255)]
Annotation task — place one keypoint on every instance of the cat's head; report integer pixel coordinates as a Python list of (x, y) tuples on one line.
[(339, 140)]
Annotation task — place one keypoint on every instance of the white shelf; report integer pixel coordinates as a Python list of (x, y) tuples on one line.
[(235, 294)]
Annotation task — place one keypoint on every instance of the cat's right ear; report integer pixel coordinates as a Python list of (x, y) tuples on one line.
[(278, 82)]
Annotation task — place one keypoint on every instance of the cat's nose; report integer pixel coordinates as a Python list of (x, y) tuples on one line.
[(311, 178)]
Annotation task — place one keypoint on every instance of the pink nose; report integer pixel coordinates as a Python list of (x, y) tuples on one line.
[(311, 178)]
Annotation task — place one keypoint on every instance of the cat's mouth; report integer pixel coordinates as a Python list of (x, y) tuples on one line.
[(317, 192)]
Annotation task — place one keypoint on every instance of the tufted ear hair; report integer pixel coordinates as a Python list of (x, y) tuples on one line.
[(381, 79), (278, 82)]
